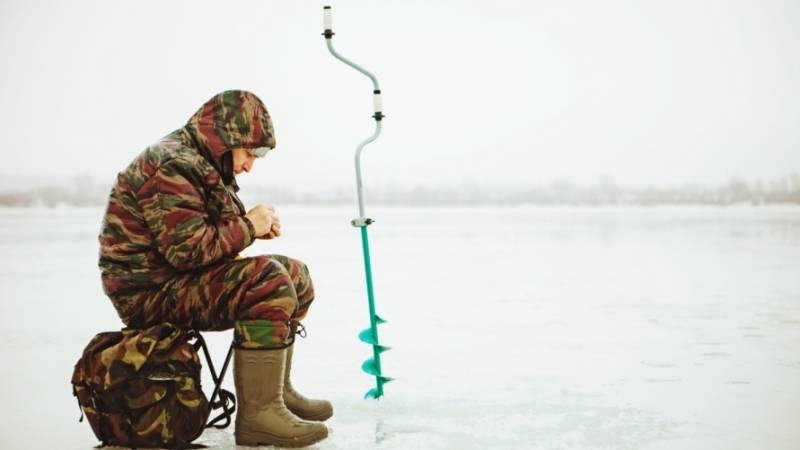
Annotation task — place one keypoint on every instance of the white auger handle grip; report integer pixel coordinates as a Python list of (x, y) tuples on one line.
[(327, 22), (377, 101)]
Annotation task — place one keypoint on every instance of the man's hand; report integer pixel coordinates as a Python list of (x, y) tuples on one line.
[(275, 230), (263, 218)]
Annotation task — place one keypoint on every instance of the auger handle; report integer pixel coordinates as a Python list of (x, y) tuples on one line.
[(377, 101), (327, 23)]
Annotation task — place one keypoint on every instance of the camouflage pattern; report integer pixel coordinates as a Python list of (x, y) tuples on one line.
[(232, 119), (258, 296), (174, 227), (141, 388)]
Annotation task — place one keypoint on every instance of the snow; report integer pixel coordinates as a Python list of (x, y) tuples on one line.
[(547, 328)]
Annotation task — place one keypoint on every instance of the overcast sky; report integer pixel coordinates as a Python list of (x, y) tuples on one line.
[(513, 92)]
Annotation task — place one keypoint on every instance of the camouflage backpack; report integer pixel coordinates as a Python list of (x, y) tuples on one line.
[(141, 388)]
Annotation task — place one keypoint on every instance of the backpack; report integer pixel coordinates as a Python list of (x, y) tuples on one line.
[(141, 388)]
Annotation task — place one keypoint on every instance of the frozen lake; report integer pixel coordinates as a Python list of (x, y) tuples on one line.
[(512, 328)]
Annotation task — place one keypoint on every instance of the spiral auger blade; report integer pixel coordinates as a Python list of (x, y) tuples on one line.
[(372, 366)]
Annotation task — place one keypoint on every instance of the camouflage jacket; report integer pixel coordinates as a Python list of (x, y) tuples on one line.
[(174, 208)]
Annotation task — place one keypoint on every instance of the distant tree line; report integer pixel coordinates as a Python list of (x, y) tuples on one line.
[(736, 191), (83, 191), (785, 190)]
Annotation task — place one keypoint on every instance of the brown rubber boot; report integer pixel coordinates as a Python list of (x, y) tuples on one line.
[(302, 407), (262, 417)]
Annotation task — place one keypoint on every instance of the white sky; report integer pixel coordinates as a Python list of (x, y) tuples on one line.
[(514, 92)]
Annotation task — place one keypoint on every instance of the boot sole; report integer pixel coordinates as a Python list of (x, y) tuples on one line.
[(314, 418), (254, 439)]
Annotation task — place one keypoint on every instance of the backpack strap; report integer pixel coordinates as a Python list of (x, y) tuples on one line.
[(80, 408)]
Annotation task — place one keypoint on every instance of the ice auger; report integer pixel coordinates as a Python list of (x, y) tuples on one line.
[(372, 365)]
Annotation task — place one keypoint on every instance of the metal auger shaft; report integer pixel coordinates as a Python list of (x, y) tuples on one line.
[(372, 365)]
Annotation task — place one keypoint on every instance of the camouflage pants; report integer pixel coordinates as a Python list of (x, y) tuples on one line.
[(257, 296)]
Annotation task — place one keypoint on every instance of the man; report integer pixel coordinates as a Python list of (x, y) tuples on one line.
[(168, 253)]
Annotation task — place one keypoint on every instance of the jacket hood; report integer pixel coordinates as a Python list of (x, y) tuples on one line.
[(229, 120)]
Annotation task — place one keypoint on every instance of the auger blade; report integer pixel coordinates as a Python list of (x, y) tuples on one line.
[(377, 392), (382, 348), (367, 337), (370, 367), (373, 393)]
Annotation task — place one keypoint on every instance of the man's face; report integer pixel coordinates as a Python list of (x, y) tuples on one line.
[(242, 161)]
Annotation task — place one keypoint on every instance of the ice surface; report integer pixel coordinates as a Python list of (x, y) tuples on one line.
[(511, 328)]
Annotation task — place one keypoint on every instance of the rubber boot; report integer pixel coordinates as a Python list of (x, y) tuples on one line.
[(262, 417), (303, 407)]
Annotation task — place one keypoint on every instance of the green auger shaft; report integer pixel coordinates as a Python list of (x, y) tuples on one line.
[(372, 365)]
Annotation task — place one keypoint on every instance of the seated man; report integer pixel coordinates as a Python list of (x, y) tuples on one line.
[(168, 253)]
